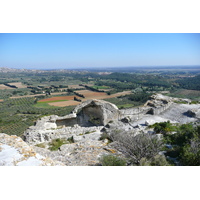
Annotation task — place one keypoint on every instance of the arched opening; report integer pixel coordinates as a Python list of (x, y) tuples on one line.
[(150, 112), (91, 115)]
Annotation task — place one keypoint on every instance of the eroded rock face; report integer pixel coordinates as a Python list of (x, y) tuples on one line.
[(15, 152), (96, 112), (82, 153)]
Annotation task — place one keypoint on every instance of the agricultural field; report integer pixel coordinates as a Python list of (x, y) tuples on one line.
[(101, 87), (184, 93), (63, 101), (54, 99), (75, 87), (16, 115)]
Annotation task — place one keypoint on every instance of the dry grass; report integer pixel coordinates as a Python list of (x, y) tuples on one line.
[(75, 86), (64, 103)]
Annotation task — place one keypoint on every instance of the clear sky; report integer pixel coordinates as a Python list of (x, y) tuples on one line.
[(81, 50)]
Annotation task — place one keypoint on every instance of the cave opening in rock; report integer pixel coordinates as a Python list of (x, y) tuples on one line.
[(150, 112), (91, 115)]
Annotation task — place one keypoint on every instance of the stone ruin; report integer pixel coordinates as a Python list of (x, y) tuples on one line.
[(90, 116), (154, 106)]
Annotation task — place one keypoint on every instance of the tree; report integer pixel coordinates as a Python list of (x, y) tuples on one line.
[(191, 153), (137, 147)]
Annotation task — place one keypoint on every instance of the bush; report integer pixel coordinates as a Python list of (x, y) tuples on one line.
[(110, 160), (137, 147), (56, 144), (70, 140), (41, 145), (191, 153), (163, 127), (158, 160), (105, 136)]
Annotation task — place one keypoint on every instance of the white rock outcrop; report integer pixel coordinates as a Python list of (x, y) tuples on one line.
[(15, 152)]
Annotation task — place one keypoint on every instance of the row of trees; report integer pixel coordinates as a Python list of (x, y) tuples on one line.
[(9, 85)]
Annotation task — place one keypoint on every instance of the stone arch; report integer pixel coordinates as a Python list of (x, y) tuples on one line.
[(96, 113)]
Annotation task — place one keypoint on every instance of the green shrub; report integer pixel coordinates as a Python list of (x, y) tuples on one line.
[(105, 136), (56, 144), (41, 145), (194, 102), (110, 160), (158, 160), (190, 155), (70, 140), (163, 127)]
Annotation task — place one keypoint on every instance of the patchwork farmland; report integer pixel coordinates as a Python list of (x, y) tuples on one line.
[(69, 100)]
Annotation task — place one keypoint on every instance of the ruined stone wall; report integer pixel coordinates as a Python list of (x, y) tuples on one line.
[(133, 113), (139, 112)]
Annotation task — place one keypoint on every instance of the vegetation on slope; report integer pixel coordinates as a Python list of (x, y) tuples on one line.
[(16, 115)]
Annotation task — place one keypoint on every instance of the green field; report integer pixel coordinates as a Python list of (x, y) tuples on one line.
[(16, 115), (183, 93), (45, 104)]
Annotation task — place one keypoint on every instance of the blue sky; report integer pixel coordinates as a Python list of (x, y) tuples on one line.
[(81, 50)]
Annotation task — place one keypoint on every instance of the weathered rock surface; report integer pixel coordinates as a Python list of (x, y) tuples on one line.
[(83, 153), (15, 152)]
